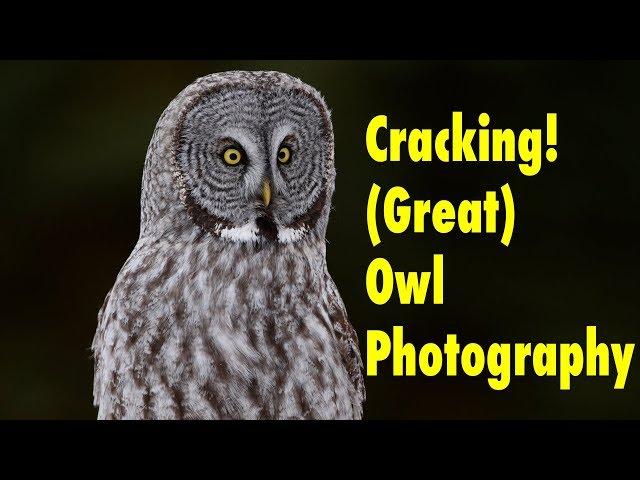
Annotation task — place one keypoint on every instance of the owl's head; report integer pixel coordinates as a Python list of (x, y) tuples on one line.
[(251, 156)]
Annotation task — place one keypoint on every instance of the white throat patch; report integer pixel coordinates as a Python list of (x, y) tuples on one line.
[(249, 233)]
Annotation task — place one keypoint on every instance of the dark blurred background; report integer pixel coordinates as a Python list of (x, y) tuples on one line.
[(74, 137)]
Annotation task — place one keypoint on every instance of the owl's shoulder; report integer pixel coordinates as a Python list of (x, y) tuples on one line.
[(132, 315), (347, 340)]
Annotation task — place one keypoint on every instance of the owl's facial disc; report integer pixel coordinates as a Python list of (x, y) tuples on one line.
[(251, 164)]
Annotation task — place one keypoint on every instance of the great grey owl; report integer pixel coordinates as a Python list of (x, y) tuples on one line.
[(225, 308)]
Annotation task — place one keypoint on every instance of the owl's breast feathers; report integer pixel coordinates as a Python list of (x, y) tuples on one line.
[(202, 328)]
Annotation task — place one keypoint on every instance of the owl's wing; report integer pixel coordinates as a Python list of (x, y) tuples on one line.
[(127, 327), (347, 340), (96, 347)]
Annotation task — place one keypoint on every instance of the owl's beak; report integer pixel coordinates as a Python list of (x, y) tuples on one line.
[(266, 192)]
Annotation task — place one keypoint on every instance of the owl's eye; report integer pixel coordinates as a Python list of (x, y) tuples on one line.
[(284, 155), (232, 156)]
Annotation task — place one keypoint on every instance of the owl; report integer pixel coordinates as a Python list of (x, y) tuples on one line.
[(225, 308)]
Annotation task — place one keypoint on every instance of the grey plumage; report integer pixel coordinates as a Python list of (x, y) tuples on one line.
[(225, 307)]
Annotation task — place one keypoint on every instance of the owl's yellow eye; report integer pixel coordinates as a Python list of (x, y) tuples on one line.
[(284, 155), (232, 156)]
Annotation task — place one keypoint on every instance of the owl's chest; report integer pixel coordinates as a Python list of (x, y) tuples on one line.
[(262, 334), (265, 308)]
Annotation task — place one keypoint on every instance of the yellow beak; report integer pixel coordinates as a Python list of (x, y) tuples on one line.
[(266, 193)]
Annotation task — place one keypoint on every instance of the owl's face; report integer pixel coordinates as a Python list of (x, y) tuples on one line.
[(252, 162)]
